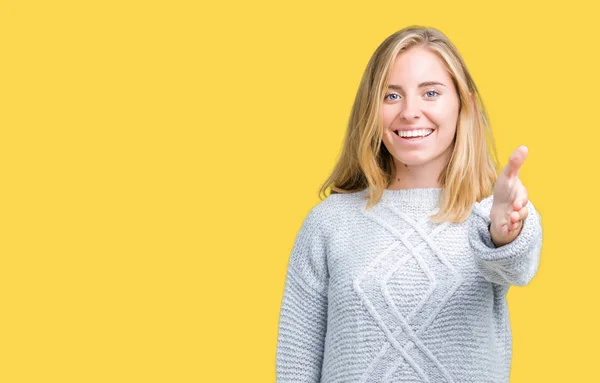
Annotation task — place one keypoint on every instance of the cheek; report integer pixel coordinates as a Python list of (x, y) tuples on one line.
[(387, 116), (445, 116)]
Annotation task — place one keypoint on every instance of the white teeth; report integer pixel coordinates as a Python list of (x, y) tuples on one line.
[(415, 133)]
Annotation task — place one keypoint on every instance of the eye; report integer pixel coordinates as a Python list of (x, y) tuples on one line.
[(390, 94), (432, 91)]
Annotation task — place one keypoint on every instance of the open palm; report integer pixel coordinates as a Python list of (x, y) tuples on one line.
[(509, 208)]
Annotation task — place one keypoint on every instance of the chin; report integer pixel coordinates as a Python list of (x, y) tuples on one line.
[(414, 161)]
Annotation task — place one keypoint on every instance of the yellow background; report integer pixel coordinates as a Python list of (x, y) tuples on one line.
[(158, 157)]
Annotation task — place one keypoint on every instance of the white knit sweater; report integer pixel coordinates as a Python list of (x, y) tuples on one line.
[(385, 295)]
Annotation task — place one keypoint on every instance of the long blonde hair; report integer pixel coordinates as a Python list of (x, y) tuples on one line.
[(471, 171)]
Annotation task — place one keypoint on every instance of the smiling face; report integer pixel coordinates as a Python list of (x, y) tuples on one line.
[(420, 100)]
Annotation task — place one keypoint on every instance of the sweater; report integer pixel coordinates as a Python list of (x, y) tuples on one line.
[(386, 295)]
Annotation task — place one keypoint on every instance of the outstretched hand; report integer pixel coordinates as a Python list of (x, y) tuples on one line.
[(509, 208)]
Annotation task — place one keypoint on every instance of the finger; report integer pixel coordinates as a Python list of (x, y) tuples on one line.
[(515, 216), (515, 161), (525, 198), (523, 213), (517, 203), (515, 225), (521, 199), (520, 215)]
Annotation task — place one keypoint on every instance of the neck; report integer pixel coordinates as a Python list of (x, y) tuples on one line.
[(419, 176)]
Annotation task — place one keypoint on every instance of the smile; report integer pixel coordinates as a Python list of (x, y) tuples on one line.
[(414, 135)]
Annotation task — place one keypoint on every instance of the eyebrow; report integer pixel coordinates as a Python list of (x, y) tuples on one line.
[(426, 83)]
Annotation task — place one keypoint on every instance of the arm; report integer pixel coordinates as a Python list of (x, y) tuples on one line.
[(303, 315), (514, 263)]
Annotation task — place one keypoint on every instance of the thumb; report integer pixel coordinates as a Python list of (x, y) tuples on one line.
[(515, 161)]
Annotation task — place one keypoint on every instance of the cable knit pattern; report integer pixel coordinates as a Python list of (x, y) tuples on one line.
[(385, 295)]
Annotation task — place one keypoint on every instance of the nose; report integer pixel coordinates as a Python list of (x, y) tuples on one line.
[(410, 108)]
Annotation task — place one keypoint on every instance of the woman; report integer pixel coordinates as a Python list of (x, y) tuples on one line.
[(401, 273)]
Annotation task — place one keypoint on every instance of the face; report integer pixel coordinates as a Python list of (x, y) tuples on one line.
[(421, 100)]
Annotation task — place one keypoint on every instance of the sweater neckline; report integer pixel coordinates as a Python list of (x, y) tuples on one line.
[(413, 195)]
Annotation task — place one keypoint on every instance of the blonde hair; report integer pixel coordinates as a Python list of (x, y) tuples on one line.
[(471, 171)]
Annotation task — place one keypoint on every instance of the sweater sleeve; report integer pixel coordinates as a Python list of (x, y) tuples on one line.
[(303, 314), (515, 263)]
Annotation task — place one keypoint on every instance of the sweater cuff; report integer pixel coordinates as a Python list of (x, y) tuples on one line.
[(481, 240)]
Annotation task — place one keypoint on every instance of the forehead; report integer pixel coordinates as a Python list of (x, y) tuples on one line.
[(417, 65)]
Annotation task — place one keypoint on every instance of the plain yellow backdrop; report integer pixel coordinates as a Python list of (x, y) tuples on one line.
[(158, 157)]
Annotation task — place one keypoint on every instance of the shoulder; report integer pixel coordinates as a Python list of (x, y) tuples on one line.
[(334, 209)]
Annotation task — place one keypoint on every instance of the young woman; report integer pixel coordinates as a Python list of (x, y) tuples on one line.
[(401, 273)]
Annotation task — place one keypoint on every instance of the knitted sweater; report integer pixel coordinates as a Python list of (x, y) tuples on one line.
[(385, 295)]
